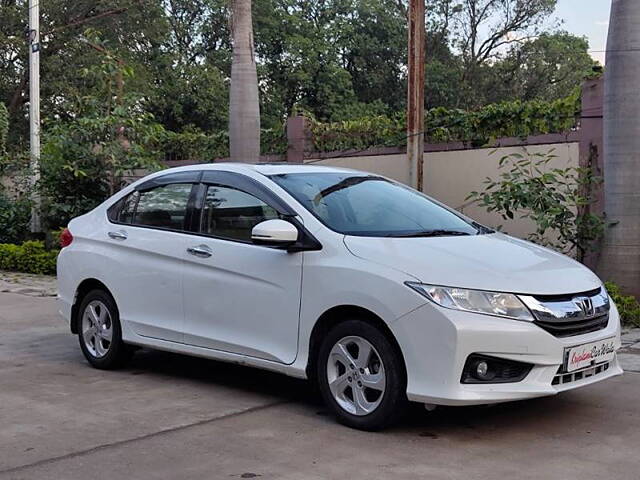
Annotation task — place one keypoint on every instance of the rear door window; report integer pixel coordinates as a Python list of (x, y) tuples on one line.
[(162, 207)]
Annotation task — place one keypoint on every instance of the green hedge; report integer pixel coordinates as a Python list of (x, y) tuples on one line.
[(477, 128), (30, 257), (15, 214), (197, 145), (628, 305)]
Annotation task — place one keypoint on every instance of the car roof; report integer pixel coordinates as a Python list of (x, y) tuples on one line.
[(262, 168)]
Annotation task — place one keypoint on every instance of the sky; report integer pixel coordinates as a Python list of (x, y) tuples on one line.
[(588, 18)]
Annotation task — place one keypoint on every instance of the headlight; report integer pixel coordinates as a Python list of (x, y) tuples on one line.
[(489, 303)]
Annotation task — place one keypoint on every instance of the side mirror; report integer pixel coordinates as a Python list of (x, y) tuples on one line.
[(275, 233)]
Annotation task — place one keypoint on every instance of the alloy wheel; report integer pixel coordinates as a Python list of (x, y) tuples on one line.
[(356, 375), (97, 329)]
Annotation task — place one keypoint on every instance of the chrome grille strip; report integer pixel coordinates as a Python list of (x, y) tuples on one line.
[(568, 315)]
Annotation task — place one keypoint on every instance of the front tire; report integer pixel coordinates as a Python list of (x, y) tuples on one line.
[(99, 332), (361, 376)]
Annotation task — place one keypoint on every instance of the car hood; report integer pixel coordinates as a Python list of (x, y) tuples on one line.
[(493, 262)]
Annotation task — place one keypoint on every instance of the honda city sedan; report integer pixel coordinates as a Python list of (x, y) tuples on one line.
[(373, 290)]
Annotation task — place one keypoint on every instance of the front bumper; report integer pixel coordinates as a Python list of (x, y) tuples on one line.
[(436, 343)]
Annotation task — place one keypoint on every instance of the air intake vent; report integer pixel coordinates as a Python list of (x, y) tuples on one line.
[(562, 378)]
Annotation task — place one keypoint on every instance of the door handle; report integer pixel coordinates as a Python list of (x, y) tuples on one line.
[(201, 251), (121, 235)]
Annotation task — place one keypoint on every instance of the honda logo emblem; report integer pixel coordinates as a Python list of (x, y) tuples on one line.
[(585, 305)]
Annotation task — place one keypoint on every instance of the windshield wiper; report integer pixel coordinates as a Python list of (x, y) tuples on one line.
[(346, 183), (430, 233)]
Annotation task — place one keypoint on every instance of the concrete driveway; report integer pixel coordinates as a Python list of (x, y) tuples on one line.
[(172, 417)]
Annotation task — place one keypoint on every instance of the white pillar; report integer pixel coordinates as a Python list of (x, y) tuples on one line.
[(34, 108)]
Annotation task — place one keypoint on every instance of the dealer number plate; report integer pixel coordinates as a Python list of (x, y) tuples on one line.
[(588, 354)]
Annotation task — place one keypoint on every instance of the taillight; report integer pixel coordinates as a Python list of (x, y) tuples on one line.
[(65, 238)]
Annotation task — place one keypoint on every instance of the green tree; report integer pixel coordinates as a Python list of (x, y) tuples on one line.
[(336, 59), (548, 67), (374, 52), (300, 65), (86, 158), (481, 30), (189, 68), (130, 29)]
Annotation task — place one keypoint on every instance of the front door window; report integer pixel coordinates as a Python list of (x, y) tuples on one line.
[(231, 214)]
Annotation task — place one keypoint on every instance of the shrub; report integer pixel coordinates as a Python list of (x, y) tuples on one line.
[(554, 198), (14, 219), (628, 305), (30, 257)]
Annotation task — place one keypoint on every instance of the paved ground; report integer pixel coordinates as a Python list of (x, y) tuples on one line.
[(27, 284), (172, 417)]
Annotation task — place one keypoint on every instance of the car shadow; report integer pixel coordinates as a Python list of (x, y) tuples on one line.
[(469, 421), (247, 379)]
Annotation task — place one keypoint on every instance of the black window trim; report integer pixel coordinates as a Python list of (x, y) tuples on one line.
[(250, 186), (188, 176), (187, 223), (200, 180), (197, 218)]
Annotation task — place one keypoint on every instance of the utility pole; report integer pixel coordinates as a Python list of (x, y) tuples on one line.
[(415, 93), (34, 109)]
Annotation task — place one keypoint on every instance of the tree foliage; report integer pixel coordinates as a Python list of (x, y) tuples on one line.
[(337, 59), (131, 29), (476, 128), (547, 67), (505, 50), (85, 158)]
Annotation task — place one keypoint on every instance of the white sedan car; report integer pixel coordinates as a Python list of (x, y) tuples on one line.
[(375, 291)]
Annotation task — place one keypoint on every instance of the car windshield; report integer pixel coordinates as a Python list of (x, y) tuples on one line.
[(368, 205)]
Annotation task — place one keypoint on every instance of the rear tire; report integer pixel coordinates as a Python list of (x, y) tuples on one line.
[(361, 376), (100, 333)]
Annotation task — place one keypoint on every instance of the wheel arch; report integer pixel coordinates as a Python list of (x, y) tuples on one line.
[(339, 314), (83, 289)]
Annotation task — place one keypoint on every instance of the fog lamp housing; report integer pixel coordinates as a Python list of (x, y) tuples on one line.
[(485, 369)]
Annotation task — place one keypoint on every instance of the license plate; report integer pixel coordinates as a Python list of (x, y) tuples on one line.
[(589, 354)]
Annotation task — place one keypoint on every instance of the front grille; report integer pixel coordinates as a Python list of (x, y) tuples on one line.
[(577, 327), (571, 314), (564, 378)]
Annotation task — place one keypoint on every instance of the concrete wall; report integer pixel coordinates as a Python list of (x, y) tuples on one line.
[(449, 176)]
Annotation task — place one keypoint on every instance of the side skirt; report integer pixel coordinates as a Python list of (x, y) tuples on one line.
[(176, 347)]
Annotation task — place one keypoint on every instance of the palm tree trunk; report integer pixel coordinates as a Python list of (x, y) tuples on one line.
[(620, 259), (244, 107)]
